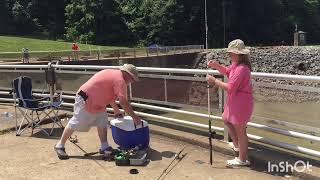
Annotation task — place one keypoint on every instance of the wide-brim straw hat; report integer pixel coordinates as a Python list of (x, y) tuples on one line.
[(237, 47), (130, 69)]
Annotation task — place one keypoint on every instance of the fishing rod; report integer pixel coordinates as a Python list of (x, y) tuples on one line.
[(177, 157), (211, 133)]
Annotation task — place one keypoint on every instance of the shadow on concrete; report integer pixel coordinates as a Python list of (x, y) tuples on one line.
[(56, 134), (155, 155), (97, 157)]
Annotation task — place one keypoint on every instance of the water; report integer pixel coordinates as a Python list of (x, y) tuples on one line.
[(306, 113)]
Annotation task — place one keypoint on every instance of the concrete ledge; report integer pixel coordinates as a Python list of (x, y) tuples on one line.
[(44, 121), (194, 139), (259, 155)]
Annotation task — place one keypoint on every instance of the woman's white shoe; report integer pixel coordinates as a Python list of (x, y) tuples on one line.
[(236, 162)]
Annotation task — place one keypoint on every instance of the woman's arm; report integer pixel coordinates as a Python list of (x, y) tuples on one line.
[(212, 80), (221, 68), (234, 81)]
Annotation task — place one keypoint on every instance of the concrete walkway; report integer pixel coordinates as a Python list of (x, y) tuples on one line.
[(33, 157)]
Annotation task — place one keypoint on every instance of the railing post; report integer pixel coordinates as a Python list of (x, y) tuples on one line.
[(51, 80), (134, 52), (147, 51), (157, 51), (223, 98), (165, 91)]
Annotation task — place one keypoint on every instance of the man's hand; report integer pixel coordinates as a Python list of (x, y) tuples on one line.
[(128, 109), (136, 120), (118, 115), (213, 64)]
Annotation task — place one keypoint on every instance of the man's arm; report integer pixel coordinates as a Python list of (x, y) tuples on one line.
[(128, 109), (115, 108)]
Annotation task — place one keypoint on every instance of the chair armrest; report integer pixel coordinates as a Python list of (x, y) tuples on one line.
[(34, 100)]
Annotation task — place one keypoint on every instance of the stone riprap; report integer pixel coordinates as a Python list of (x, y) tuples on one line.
[(279, 60)]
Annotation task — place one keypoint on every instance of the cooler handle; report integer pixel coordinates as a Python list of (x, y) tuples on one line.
[(135, 126)]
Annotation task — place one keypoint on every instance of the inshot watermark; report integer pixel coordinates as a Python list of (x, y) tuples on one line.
[(289, 167)]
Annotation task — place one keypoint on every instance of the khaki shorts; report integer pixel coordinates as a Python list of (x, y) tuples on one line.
[(83, 120)]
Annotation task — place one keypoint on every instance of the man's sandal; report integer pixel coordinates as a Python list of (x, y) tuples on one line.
[(108, 153), (61, 152)]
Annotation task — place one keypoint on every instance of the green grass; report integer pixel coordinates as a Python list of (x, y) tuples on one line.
[(15, 44)]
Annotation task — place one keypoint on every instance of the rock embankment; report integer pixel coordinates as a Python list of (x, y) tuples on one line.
[(279, 60)]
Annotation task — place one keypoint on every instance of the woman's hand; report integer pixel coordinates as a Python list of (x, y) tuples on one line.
[(213, 64), (210, 79)]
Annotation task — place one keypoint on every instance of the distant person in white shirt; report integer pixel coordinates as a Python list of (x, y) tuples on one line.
[(25, 55)]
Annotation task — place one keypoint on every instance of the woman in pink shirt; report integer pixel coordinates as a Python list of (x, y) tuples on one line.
[(239, 105)]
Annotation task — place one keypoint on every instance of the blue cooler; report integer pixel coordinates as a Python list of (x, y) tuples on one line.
[(127, 136)]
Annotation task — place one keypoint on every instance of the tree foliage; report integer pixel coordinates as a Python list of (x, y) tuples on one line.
[(166, 22)]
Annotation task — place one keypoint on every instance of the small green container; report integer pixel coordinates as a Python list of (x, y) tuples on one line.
[(121, 160)]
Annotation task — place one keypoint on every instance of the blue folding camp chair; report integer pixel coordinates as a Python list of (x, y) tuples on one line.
[(34, 111)]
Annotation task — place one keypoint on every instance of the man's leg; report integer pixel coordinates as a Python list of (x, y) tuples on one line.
[(102, 127), (80, 121), (60, 146), (102, 132), (67, 132)]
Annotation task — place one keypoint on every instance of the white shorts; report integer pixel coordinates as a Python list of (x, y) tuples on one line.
[(83, 120)]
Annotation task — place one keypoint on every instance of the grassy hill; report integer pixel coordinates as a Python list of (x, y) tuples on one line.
[(15, 44)]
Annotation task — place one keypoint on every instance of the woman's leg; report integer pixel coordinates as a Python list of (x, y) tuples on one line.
[(242, 140), (232, 133)]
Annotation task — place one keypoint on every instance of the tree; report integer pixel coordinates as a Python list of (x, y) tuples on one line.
[(50, 16), (152, 21), (4, 16), (22, 21), (166, 22), (96, 21)]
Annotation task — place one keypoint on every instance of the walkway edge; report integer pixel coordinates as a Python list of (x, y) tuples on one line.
[(259, 156)]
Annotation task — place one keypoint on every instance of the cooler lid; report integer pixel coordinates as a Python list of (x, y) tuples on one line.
[(126, 123)]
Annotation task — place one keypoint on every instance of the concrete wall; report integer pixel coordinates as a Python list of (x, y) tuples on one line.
[(186, 60)]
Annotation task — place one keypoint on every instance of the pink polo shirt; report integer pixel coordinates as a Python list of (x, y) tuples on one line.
[(103, 88)]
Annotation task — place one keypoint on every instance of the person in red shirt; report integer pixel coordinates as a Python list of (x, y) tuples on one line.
[(75, 49)]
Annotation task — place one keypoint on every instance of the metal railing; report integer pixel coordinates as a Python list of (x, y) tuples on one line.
[(186, 75), (100, 54)]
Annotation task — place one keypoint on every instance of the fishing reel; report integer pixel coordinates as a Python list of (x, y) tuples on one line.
[(73, 139), (212, 134), (209, 86)]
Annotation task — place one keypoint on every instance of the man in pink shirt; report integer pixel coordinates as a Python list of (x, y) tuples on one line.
[(100, 90)]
